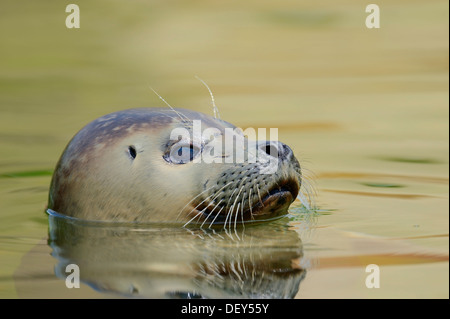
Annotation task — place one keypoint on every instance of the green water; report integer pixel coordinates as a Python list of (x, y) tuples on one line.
[(365, 111)]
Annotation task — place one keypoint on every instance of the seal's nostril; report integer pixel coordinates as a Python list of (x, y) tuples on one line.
[(277, 149), (270, 149)]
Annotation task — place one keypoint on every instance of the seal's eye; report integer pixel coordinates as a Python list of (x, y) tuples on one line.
[(182, 154), (132, 151)]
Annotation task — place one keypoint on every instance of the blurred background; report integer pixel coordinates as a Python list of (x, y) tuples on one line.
[(365, 110)]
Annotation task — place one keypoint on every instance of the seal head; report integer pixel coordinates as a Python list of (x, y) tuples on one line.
[(154, 165)]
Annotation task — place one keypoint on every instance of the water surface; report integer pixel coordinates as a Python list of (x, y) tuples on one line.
[(365, 111)]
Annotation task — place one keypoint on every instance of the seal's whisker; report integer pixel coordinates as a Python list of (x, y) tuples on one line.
[(305, 197), (212, 202), (217, 194), (309, 188), (259, 195), (231, 197), (199, 205), (308, 173), (237, 197), (183, 117), (228, 205), (307, 192), (197, 215), (230, 211), (308, 176), (236, 216), (194, 199), (305, 200), (242, 211), (215, 109), (250, 203), (215, 217), (311, 201), (207, 217)]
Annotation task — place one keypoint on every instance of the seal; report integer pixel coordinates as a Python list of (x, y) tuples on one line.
[(137, 166)]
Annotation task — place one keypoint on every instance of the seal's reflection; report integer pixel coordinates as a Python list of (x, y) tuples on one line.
[(260, 261)]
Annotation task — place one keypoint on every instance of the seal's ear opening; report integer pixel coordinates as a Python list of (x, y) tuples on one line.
[(132, 151)]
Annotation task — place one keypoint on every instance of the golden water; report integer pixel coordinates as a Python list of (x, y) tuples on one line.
[(365, 110)]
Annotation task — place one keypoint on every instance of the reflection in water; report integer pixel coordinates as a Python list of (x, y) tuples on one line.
[(260, 261)]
